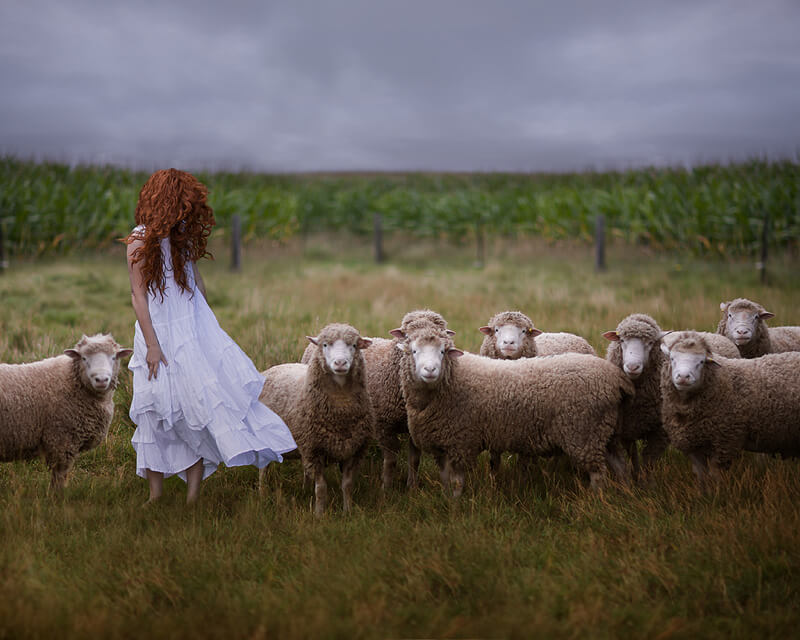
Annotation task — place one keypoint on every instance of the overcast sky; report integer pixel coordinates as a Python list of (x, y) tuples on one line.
[(399, 85)]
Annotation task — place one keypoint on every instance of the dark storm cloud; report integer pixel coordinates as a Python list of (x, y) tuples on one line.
[(387, 85)]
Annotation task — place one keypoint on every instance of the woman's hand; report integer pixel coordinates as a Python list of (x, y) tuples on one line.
[(154, 357)]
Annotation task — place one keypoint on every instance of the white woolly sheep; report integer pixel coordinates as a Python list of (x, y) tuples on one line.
[(511, 335), (631, 349), (382, 362), (744, 322), (60, 406), (326, 407), (460, 404), (714, 408)]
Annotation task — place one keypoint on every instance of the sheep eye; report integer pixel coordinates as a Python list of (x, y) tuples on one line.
[(497, 329), (324, 345)]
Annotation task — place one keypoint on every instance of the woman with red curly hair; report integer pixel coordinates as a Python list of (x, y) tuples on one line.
[(195, 392)]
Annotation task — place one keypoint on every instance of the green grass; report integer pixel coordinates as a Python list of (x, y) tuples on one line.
[(533, 554)]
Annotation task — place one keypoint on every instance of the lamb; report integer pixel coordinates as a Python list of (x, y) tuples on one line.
[(631, 349), (382, 362), (59, 406), (743, 321), (715, 408), (511, 335), (326, 406), (460, 404)]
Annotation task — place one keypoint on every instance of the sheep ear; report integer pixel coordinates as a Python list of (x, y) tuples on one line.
[(454, 353), (450, 332), (713, 362), (723, 305), (401, 346), (533, 331), (72, 354), (486, 330), (313, 340), (124, 353), (363, 343), (397, 333), (664, 333), (665, 349), (611, 335), (765, 315)]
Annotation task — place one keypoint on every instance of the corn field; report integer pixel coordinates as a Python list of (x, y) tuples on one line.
[(709, 210)]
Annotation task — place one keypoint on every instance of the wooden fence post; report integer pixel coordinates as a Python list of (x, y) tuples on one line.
[(3, 263), (236, 242), (600, 243), (377, 221), (762, 264)]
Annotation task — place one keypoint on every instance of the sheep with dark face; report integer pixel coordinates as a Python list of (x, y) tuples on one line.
[(60, 406), (461, 404), (714, 408), (511, 335), (326, 406), (744, 323), (634, 348)]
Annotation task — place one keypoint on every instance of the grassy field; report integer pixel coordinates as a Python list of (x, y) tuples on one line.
[(533, 554)]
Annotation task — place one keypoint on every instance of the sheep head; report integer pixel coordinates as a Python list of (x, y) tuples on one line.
[(742, 320), (512, 334), (688, 359), (96, 359)]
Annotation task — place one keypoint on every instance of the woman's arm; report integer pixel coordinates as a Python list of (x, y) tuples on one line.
[(199, 280), (142, 311)]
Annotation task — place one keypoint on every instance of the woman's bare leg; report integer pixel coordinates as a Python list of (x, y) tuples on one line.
[(156, 481), (194, 476)]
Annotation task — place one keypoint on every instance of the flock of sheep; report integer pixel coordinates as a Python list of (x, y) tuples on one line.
[(710, 395)]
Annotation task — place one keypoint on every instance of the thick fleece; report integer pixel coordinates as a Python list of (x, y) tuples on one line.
[(763, 339), (330, 422), (382, 361), (736, 405), (641, 415), (55, 409), (533, 342), (532, 406)]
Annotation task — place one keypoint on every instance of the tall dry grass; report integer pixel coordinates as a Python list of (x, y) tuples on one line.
[(533, 553)]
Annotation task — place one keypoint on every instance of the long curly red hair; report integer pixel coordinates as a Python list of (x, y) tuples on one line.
[(172, 204)]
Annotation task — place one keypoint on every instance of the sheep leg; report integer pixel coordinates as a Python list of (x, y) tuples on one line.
[(699, 466), (494, 462), (413, 464), (633, 454), (597, 479), (59, 470), (617, 463), (444, 470), (348, 471), (457, 481), (320, 490), (390, 447)]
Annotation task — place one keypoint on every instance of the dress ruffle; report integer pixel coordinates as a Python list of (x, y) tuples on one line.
[(204, 402)]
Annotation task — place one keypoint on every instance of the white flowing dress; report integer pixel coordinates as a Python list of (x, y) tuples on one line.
[(204, 403)]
